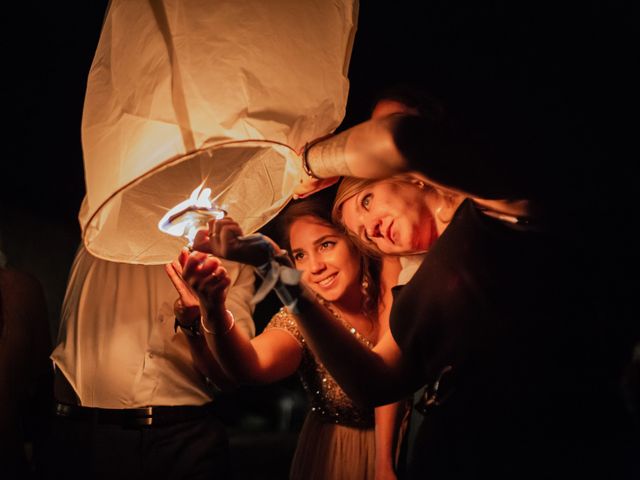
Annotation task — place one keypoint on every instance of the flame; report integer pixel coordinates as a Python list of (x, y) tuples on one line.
[(189, 216)]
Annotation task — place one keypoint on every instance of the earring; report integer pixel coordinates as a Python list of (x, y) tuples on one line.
[(366, 299), (420, 184)]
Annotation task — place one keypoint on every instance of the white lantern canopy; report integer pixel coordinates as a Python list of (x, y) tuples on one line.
[(222, 94)]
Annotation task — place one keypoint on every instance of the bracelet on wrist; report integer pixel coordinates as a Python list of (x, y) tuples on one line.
[(227, 329), (305, 155), (305, 161)]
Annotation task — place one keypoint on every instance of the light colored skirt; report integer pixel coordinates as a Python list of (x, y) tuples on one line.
[(328, 451)]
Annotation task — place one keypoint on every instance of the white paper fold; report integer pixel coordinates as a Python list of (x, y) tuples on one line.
[(224, 92)]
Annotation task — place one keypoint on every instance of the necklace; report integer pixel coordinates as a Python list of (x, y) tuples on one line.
[(346, 324)]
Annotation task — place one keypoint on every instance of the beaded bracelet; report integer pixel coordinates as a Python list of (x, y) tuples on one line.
[(305, 155), (305, 161)]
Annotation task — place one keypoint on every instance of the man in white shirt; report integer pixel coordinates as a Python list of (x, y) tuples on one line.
[(134, 391)]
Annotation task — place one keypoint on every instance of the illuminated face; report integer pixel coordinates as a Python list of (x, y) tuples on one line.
[(329, 265), (393, 215)]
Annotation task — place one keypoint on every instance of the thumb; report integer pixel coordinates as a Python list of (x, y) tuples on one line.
[(182, 258)]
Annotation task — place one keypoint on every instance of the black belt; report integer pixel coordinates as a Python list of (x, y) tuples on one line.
[(134, 417)]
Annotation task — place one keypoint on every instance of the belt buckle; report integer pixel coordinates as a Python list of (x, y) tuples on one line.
[(140, 417)]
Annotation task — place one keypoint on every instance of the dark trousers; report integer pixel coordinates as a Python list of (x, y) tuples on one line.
[(193, 449)]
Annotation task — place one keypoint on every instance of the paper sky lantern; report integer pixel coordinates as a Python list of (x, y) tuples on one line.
[(187, 94)]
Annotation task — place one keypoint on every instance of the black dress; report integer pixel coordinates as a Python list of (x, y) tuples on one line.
[(499, 323)]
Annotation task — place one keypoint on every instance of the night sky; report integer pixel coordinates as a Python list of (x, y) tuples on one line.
[(562, 69), (569, 64), (464, 52), (50, 48)]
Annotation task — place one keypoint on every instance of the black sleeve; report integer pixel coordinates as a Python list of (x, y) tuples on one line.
[(480, 161)]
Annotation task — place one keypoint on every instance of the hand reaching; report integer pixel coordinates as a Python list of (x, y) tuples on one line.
[(186, 308), (225, 239), (205, 277), (309, 185)]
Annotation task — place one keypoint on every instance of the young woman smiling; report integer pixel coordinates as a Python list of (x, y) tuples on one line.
[(339, 439)]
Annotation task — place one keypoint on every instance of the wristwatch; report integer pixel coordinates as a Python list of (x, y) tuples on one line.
[(191, 330)]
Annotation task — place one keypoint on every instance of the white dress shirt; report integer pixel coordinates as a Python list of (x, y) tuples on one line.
[(117, 346), (410, 265)]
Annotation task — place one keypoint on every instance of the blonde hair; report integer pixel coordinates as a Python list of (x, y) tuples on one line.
[(351, 186)]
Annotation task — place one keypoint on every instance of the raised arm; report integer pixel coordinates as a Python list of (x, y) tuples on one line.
[(367, 150), (187, 311), (269, 357), (450, 156), (370, 377)]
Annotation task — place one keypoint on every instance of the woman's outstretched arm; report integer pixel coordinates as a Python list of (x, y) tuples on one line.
[(269, 357), (370, 377)]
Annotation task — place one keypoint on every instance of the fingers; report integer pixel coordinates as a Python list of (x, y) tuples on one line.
[(215, 284), (309, 186), (212, 288), (176, 278), (202, 241), (226, 225), (223, 236), (197, 266), (188, 298), (177, 306), (182, 257), (229, 234), (176, 264), (206, 276)]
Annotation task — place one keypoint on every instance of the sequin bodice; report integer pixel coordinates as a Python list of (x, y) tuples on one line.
[(327, 399)]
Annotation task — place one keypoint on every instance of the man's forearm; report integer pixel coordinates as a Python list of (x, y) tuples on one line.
[(366, 150), (327, 157)]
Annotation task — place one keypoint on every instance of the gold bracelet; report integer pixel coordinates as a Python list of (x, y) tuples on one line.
[(213, 332)]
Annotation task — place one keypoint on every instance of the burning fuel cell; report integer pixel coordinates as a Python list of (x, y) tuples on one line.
[(189, 216)]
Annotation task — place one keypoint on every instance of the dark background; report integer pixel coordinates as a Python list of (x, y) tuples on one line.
[(565, 68), (569, 68)]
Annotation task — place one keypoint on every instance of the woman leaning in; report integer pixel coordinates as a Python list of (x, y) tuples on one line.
[(339, 439)]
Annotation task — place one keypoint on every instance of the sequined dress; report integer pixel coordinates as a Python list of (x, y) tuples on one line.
[(337, 440)]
